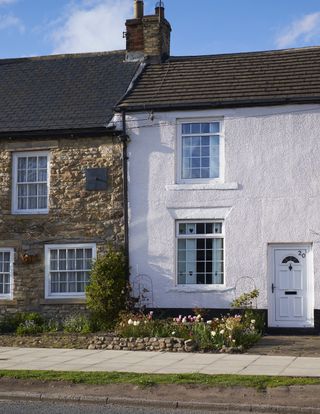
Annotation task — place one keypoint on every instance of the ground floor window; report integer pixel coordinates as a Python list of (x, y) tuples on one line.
[(6, 272), (200, 252), (67, 269)]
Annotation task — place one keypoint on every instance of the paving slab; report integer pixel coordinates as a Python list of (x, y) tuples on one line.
[(288, 345), (156, 362)]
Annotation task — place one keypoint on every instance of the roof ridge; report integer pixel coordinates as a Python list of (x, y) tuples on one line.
[(61, 56), (256, 52)]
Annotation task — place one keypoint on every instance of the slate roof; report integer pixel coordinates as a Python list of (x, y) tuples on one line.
[(240, 79), (62, 92)]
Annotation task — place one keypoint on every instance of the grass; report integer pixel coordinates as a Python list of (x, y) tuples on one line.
[(144, 380)]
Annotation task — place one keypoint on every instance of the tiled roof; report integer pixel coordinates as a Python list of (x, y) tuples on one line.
[(62, 92), (282, 76)]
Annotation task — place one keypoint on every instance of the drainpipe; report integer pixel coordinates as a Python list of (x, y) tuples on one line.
[(125, 139)]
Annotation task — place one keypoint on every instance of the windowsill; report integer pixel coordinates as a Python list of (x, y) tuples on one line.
[(200, 289), (61, 301), (25, 214), (7, 301), (202, 186)]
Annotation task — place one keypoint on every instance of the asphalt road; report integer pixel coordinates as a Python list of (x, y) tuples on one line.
[(24, 407)]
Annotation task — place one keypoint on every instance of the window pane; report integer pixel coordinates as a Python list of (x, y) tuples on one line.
[(32, 176), (32, 203), (186, 128), (22, 163), (195, 141), (215, 127), (22, 203), (32, 189), (195, 128), (42, 162), (200, 228), (196, 152), (191, 228), (22, 190), (42, 202), (22, 176), (195, 173), (42, 175), (71, 263), (205, 128), (32, 163), (218, 228)]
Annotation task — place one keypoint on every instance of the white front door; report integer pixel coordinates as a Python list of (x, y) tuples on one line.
[(291, 288)]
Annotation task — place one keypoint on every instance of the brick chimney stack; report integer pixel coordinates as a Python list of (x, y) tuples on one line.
[(148, 37)]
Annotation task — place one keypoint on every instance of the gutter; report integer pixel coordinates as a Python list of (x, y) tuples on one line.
[(219, 104), (63, 133)]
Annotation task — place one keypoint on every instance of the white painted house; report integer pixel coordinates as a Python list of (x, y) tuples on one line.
[(224, 182)]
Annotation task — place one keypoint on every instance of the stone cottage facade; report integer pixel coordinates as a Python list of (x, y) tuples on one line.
[(61, 187)]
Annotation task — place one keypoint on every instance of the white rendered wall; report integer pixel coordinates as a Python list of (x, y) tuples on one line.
[(272, 195)]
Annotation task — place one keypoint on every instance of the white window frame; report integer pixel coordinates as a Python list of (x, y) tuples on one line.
[(64, 295), (8, 296), (199, 236), (179, 157), (15, 157)]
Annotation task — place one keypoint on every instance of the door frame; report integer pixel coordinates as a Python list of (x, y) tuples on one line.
[(309, 323)]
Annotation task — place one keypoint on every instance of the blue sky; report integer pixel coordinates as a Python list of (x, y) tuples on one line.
[(40, 27)]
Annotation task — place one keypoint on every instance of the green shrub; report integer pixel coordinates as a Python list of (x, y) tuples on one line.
[(201, 334), (9, 323), (77, 323), (256, 316), (30, 323), (107, 290), (52, 325), (245, 300)]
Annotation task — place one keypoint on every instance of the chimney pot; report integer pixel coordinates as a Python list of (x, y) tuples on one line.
[(159, 10), (138, 9)]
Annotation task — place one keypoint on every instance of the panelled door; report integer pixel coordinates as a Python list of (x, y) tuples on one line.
[(290, 293)]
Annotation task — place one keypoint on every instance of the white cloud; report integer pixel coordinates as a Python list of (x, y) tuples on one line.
[(7, 21), (303, 30), (3, 2), (95, 25)]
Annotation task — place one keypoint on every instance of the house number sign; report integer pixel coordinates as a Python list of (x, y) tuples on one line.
[(303, 255)]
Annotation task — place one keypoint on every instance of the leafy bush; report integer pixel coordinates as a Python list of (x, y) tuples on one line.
[(30, 324), (245, 300), (52, 325), (107, 290), (77, 323), (9, 323)]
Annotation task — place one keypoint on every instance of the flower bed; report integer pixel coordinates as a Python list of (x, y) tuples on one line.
[(231, 333)]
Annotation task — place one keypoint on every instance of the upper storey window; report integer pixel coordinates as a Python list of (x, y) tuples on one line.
[(200, 151), (30, 182)]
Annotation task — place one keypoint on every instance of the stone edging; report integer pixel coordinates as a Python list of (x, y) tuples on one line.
[(143, 344)]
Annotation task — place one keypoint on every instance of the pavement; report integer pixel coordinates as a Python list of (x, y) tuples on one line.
[(156, 362), (287, 345)]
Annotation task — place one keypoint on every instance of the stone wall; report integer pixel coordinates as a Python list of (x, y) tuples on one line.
[(75, 215), (142, 344)]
